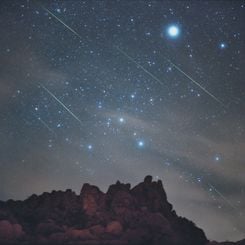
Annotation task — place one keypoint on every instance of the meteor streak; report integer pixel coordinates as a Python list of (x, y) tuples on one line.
[(63, 23), (45, 124), (195, 82), (64, 106), (222, 196), (140, 66)]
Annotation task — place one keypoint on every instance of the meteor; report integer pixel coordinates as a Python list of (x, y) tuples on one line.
[(45, 124), (139, 65), (195, 82), (57, 18), (62, 104), (222, 196)]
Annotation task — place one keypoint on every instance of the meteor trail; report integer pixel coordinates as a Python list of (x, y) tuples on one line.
[(140, 66), (65, 107), (222, 196), (195, 82), (63, 23), (45, 124)]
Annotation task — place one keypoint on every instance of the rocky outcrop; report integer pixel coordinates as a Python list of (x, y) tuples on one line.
[(227, 243), (123, 215), (10, 231)]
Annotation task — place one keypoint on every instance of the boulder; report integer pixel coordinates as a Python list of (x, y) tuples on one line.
[(10, 231), (17, 230), (6, 230), (77, 234), (114, 228), (92, 199), (97, 230)]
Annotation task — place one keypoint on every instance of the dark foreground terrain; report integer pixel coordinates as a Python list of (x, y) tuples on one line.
[(124, 215)]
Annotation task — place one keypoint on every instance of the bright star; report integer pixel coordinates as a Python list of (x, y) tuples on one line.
[(90, 147), (223, 45), (141, 143), (121, 119), (199, 179), (173, 31), (217, 158)]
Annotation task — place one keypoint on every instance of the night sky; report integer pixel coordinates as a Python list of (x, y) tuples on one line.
[(96, 91)]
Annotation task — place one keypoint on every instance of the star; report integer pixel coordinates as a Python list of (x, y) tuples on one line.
[(58, 10), (199, 180), (217, 158), (121, 120), (140, 143), (223, 45), (99, 105), (173, 31)]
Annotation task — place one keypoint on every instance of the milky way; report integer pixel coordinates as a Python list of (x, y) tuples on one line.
[(87, 94)]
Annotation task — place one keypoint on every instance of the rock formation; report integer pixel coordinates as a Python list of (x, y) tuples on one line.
[(138, 216)]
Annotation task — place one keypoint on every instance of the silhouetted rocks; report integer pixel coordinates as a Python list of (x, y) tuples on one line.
[(141, 216), (227, 243)]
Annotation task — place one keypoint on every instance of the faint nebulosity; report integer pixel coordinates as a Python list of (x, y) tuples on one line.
[(96, 91)]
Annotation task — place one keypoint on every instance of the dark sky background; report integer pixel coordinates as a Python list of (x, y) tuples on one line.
[(96, 99)]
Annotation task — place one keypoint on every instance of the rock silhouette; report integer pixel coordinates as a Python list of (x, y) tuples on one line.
[(123, 215)]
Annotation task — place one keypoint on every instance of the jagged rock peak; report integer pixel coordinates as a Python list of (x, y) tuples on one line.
[(138, 216), (148, 179)]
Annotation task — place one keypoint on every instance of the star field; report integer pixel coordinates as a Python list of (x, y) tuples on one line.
[(96, 91)]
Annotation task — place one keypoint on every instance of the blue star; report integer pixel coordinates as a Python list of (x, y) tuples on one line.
[(121, 120), (223, 45), (217, 158), (90, 147), (173, 31), (141, 143)]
